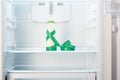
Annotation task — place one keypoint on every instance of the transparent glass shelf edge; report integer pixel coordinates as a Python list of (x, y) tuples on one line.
[(41, 50), (48, 69), (49, 0)]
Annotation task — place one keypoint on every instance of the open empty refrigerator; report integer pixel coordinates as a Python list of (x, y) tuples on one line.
[(55, 40)]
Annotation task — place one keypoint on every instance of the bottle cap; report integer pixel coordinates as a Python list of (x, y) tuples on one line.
[(51, 21)]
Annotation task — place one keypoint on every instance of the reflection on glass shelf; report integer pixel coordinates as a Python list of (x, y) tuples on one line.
[(41, 50), (50, 69)]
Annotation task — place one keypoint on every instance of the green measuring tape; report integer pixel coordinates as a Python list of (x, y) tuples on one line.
[(51, 36), (66, 46)]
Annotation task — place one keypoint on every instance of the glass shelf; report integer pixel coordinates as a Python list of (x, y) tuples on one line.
[(49, 0), (41, 50), (23, 68)]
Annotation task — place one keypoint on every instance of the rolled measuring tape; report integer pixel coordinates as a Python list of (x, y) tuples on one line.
[(53, 43), (67, 46)]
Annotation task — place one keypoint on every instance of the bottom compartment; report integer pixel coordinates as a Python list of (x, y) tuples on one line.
[(47, 73), (55, 79), (50, 76)]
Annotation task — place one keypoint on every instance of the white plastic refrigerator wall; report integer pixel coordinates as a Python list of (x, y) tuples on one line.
[(24, 27)]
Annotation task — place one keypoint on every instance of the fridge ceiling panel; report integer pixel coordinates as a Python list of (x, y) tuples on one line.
[(56, 11)]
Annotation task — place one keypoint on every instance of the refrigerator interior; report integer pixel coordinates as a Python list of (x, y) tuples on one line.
[(24, 35)]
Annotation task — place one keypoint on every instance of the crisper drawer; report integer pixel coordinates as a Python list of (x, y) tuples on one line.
[(50, 76), (55, 79)]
